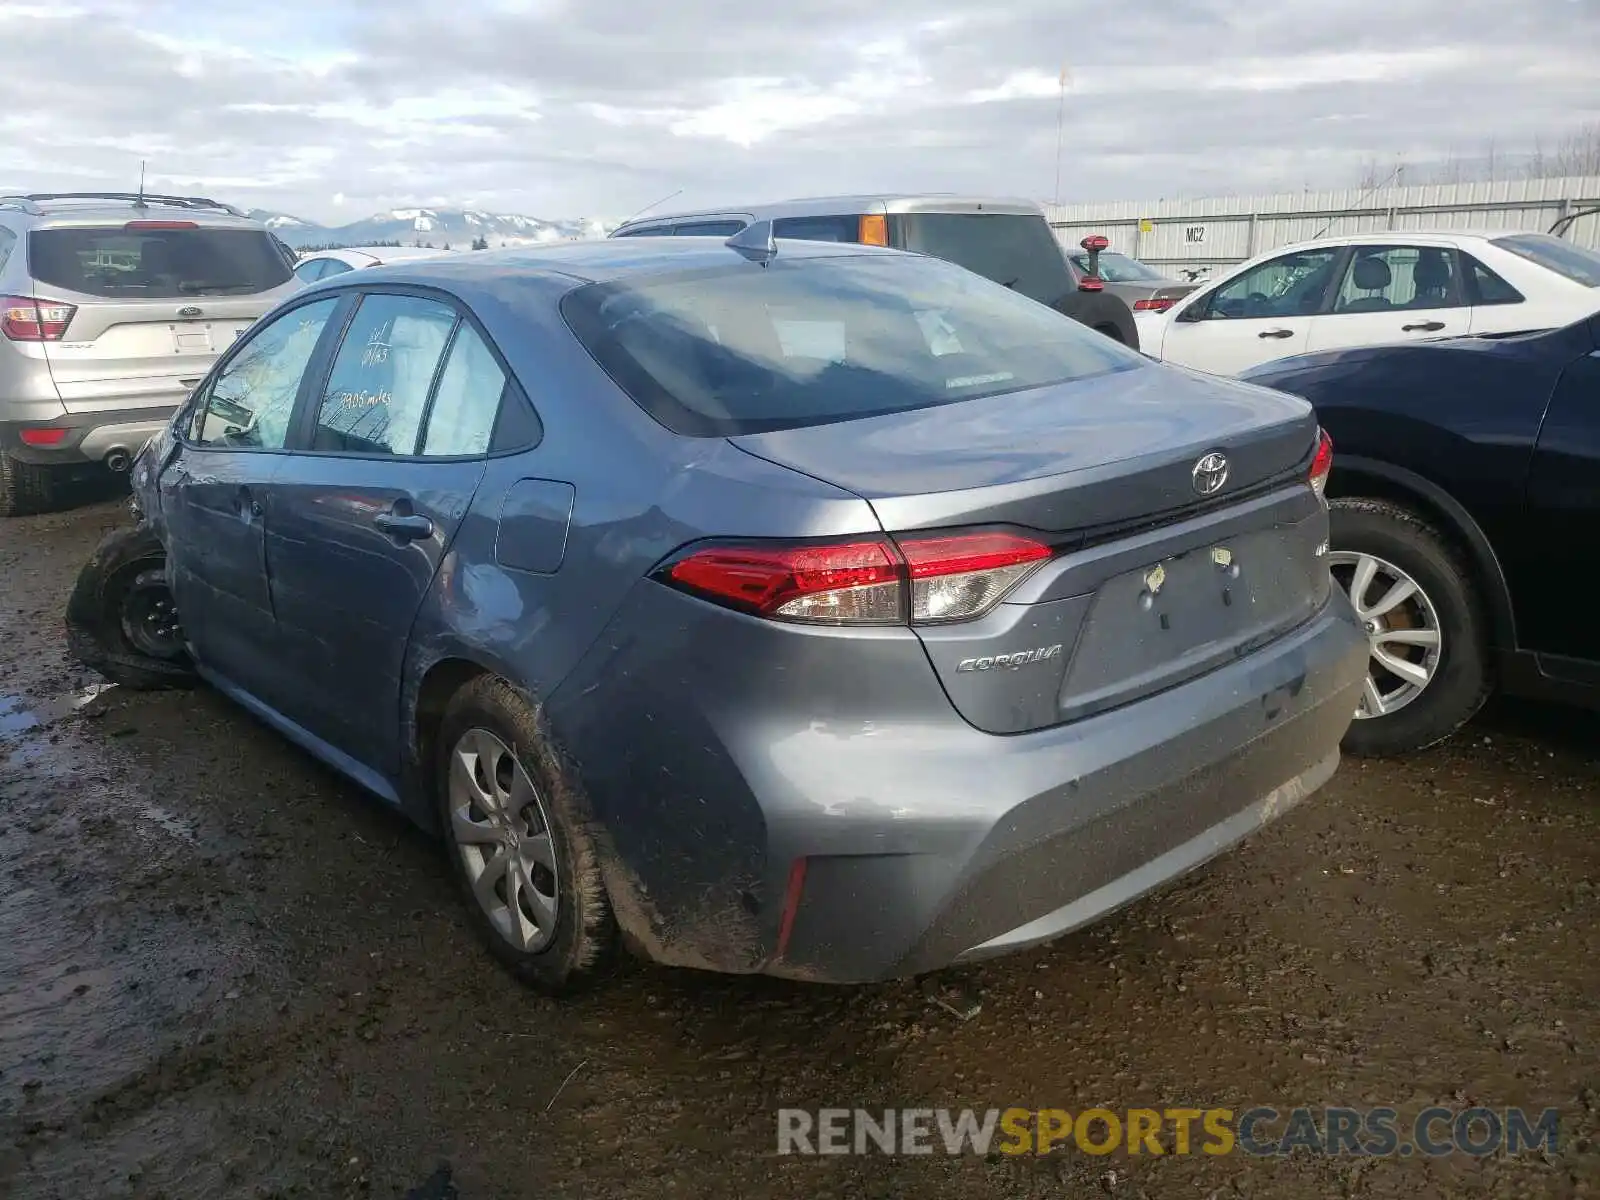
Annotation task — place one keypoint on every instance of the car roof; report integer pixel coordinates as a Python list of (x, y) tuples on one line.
[(46, 210), (1439, 237), (828, 206), (600, 261)]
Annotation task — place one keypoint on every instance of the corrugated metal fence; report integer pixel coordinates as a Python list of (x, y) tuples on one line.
[(1229, 229)]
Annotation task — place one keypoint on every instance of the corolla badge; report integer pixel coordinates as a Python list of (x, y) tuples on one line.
[(1210, 473), (1020, 658)]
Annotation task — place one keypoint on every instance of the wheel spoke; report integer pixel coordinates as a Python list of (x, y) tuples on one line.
[(493, 871), (1372, 699), (1409, 671), (1408, 637), (537, 848), (543, 908), (469, 832), (521, 929), (1360, 581), (1402, 590), (463, 780)]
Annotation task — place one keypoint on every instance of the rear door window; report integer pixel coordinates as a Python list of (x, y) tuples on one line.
[(1398, 278), (462, 415), (377, 392), (1016, 251), (139, 260)]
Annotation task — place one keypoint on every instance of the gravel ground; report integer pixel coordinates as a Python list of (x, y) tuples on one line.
[(225, 972)]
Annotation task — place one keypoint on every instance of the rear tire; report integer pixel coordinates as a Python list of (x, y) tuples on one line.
[(120, 619), (1460, 679), (25, 488), (519, 844)]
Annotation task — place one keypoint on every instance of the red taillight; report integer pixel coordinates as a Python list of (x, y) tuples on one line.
[(148, 226), (24, 319), (950, 577), (1321, 462), (857, 583), (1154, 303), (42, 437), (960, 577)]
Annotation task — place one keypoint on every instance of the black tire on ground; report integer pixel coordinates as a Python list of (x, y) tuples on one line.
[(126, 562), (25, 488), (586, 939), (1104, 313), (1463, 679)]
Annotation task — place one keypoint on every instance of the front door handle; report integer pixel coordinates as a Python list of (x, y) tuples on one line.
[(1275, 333), (249, 506), (1425, 326), (404, 527)]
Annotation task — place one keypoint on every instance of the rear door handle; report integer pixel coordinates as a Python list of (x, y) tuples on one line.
[(1427, 326), (1275, 333), (404, 527)]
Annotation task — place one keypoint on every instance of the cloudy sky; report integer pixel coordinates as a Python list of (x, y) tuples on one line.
[(332, 109)]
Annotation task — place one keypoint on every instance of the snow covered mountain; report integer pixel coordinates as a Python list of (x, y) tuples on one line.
[(459, 227)]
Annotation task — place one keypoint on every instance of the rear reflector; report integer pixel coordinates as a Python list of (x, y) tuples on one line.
[(24, 319), (1154, 303), (923, 580), (791, 904), (874, 230), (148, 226), (1321, 462), (42, 437)]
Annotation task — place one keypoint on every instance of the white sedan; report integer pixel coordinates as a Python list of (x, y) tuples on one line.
[(323, 263), (1367, 289)]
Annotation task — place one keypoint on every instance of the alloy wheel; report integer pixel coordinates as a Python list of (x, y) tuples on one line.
[(1402, 626), (500, 829)]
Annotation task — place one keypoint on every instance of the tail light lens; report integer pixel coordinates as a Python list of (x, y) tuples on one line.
[(926, 580), (1321, 462), (1154, 303), (24, 319), (42, 437), (956, 578)]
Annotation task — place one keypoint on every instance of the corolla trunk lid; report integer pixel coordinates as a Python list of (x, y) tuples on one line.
[(1183, 530)]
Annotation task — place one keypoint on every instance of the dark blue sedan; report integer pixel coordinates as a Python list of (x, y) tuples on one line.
[(1465, 512), (815, 610)]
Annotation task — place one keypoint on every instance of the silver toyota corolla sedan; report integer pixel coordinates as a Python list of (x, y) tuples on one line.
[(816, 610)]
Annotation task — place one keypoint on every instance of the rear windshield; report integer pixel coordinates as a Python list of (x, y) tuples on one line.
[(1119, 268), (1017, 251), (1574, 262), (156, 263), (746, 349)]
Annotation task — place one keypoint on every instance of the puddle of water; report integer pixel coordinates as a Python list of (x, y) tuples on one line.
[(17, 717)]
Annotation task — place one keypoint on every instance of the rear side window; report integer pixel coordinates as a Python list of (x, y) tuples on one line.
[(819, 229), (1018, 252), (156, 263), (807, 341), (1487, 287), (461, 420), (721, 229), (8, 243), (1576, 263), (377, 392)]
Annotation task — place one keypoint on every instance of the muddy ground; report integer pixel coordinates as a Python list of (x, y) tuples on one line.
[(225, 972)]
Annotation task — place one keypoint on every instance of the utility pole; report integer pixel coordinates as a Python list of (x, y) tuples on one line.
[(1061, 118)]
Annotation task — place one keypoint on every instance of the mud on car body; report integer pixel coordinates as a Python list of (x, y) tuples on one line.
[(648, 572)]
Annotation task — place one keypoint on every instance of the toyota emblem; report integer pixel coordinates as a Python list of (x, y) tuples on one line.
[(1210, 473), (189, 310)]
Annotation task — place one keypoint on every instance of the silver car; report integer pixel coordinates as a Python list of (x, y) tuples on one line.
[(113, 305)]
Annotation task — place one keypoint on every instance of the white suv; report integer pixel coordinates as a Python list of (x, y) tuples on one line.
[(112, 306)]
